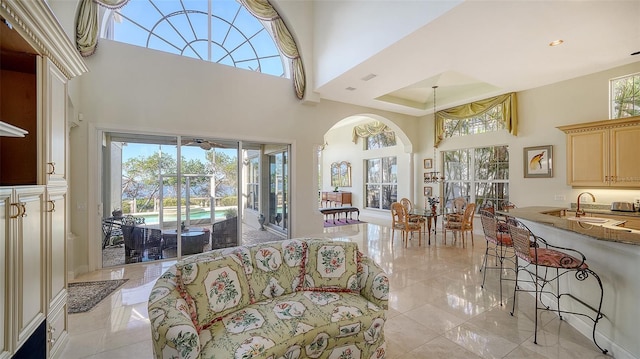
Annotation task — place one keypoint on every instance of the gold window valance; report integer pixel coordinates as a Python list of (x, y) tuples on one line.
[(368, 129), (509, 113)]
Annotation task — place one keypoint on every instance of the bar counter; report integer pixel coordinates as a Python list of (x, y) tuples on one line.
[(553, 217), (614, 254)]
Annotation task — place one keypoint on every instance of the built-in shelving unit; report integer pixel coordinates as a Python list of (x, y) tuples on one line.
[(37, 60), (7, 130)]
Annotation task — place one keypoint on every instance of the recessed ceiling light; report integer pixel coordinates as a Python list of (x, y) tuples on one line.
[(556, 42), (350, 88)]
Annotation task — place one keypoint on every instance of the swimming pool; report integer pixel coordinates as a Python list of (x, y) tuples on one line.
[(196, 214)]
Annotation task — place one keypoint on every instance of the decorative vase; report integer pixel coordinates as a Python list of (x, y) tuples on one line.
[(261, 220)]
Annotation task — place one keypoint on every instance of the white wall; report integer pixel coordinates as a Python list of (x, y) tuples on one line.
[(540, 111), (340, 147), (137, 89), (130, 88)]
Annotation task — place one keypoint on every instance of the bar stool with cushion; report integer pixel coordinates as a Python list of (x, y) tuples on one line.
[(400, 221), (537, 259), (499, 246)]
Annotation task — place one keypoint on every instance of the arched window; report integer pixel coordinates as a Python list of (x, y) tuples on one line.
[(220, 31), (248, 34)]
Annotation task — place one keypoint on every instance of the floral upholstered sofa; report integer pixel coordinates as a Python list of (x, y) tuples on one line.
[(297, 298)]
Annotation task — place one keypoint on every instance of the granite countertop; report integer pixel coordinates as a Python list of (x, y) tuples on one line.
[(603, 209), (545, 216)]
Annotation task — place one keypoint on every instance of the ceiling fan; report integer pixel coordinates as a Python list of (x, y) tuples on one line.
[(204, 144)]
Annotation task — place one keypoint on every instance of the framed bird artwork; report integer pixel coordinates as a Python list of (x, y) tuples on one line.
[(538, 162)]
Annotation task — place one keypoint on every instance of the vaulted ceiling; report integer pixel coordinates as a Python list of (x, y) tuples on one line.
[(479, 49)]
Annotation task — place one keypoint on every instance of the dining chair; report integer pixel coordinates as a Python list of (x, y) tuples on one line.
[(414, 218), (461, 226), (499, 246), (400, 221), (537, 259), (455, 211)]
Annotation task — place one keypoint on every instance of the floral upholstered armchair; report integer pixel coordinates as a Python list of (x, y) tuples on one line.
[(298, 298)]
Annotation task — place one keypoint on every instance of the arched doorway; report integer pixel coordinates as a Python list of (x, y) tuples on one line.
[(379, 174)]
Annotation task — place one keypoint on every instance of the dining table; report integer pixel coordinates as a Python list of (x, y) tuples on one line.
[(429, 215)]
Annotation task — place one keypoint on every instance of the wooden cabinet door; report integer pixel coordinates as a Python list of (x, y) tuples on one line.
[(56, 235), (28, 264), (588, 158), (6, 211), (624, 167), (55, 123)]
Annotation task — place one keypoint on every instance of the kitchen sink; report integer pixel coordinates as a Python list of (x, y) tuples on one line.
[(610, 223), (590, 219)]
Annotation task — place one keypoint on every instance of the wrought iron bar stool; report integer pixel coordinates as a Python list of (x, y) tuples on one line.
[(537, 258), (499, 246)]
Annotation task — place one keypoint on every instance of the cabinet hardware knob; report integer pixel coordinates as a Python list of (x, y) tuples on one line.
[(52, 341), (52, 168), (24, 210), (52, 329), (53, 206)]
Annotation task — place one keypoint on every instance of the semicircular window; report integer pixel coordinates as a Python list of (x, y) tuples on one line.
[(220, 31)]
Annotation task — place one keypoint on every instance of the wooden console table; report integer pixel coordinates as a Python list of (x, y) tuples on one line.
[(340, 197)]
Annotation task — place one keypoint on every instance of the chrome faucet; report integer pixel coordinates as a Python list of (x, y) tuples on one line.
[(580, 212)]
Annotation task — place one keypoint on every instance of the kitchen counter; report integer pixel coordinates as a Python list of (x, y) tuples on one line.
[(557, 217), (614, 254), (604, 209)]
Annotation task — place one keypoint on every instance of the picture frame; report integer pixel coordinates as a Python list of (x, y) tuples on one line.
[(428, 163), (428, 191), (538, 162)]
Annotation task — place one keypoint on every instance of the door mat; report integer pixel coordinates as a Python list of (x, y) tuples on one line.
[(341, 222), (83, 296)]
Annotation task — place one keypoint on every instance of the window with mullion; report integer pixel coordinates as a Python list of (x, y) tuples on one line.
[(381, 186), (381, 140), (227, 35), (479, 175), (624, 93), (489, 121)]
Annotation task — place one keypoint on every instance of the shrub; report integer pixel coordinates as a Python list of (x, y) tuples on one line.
[(229, 201), (230, 213)]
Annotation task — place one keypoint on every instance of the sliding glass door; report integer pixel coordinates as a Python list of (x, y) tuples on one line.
[(169, 196), (278, 188)]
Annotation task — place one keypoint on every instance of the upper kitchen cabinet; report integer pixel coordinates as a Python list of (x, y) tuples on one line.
[(603, 153), (36, 62)]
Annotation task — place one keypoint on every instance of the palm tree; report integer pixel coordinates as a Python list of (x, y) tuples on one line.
[(626, 97)]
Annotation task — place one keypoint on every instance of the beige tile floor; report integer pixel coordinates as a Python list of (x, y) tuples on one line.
[(437, 306)]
